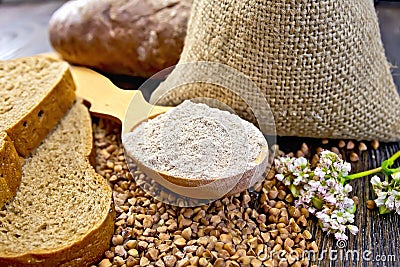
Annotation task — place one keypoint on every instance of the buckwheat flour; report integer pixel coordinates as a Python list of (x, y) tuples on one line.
[(196, 141)]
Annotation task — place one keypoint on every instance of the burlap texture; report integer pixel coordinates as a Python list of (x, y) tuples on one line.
[(320, 65)]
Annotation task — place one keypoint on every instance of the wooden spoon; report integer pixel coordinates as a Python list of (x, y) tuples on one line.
[(130, 107)]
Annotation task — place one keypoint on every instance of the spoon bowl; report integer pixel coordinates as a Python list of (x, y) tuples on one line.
[(131, 109)]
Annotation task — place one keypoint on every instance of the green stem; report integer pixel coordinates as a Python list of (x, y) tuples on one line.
[(394, 156), (389, 162), (385, 168), (362, 174)]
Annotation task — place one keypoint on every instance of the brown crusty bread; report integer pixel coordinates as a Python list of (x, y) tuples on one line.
[(35, 93), (62, 214), (132, 37), (10, 169)]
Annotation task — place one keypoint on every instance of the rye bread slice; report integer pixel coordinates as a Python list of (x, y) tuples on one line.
[(62, 214), (10, 169), (35, 93)]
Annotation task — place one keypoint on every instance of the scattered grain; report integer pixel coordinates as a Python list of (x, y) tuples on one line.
[(362, 147), (105, 263), (299, 154), (117, 240), (375, 144), (228, 232), (120, 251), (371, 204), (144, 261), (341, 144), (169, 260), (354, 157), (350, 145), (180, 242), (335, 150), (203, 262), (187, 233)]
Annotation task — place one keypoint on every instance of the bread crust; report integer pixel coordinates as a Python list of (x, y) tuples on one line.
[(89, 247), (82, 252), (132, 37), (26, 133), (10, 169), (29, 131)]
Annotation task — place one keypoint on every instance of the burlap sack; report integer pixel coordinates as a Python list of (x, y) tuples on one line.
[(320, 65)]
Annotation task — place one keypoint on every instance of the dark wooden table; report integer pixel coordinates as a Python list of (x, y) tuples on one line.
[(23, 32)]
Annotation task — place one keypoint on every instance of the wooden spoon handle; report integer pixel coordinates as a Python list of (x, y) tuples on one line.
[(104, 97)]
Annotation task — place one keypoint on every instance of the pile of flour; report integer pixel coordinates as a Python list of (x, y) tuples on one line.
[(195, 141)]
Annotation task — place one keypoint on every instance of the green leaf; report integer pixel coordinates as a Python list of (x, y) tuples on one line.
[(353, 209), (294, 190), (384, 210), (317, 203)]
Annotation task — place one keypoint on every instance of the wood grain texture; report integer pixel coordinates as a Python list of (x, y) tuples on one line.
[(379, 235), (23, 31)]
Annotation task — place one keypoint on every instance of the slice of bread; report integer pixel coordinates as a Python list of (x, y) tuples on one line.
[(62, 214), (10, 169), (35, 93)]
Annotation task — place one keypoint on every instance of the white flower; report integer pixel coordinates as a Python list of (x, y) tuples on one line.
[(322, 190), (322, 184), (390, 202), (291, 167), (348, 217), (331, 183), (396, 176), (346, 168), (380, 201), (334, 225), (353, 229), (323, 217), (376, 181), (319, 172), (280, 176), (340, 236), (347, 189), (348, 203), (298, 180), (397, 205), (395, 193), (312, 210), (300, 161), (331, 199)]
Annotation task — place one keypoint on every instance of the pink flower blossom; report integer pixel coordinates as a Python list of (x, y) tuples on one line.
[(321, 191)]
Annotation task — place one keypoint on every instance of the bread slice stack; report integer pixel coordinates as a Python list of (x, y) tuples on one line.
[(62, 212), (35, 93)]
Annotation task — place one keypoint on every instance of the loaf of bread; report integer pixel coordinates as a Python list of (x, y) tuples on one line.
[(132, 37), (35, 93), (10, 169), (62, 214)]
